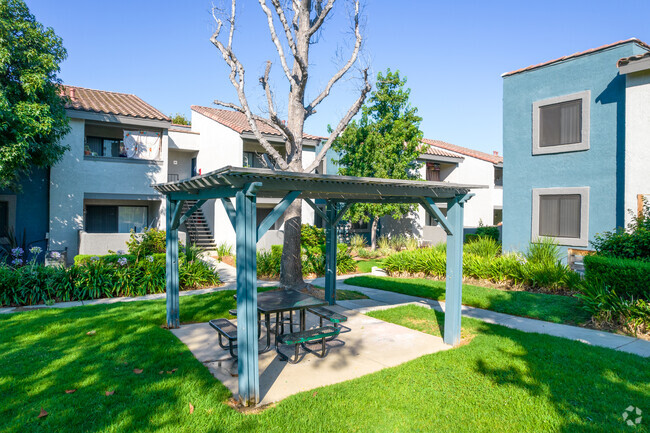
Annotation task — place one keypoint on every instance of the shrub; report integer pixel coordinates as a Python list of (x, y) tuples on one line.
[(313, 261), (628, 278), (606, 306), (100, 278), (151, 241), (311, 236), (488, 231), (383, 243), (224, 249), (631, 244), (498, 268), (357, 241), (543, 250), (483, 246)]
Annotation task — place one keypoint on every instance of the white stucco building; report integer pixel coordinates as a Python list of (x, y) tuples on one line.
[(447, 162)]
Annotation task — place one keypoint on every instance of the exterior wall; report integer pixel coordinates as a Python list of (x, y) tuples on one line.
[(28, 210), (601, 168), (77, 177), (219, 146), (637, 140), (101, 243), (180, 163)]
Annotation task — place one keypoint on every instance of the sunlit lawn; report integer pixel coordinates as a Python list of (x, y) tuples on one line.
[(502, 380), (552, 308)]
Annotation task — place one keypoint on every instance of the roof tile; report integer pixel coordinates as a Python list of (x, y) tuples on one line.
[(239, 123), (101, 101), (494, 159)]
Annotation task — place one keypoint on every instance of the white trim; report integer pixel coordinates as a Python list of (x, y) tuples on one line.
[(583, 240), (585, 96)]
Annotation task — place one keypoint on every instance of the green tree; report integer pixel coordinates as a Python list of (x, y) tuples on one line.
[(32, 112), (385, 143), (180, 119)]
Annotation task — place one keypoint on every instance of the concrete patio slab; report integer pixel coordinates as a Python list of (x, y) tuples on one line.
[(369, 346)]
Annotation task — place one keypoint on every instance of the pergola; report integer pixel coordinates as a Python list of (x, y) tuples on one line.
[(245, 185)]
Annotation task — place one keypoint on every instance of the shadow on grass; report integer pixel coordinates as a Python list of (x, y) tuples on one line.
[(547, 383)]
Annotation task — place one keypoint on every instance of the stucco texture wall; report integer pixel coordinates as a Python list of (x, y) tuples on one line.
[(601, 168), (74, 177)]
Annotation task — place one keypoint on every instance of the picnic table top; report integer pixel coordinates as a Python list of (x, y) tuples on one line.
[(278, 301)]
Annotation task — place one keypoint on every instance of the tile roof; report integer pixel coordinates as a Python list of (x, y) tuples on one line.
[(237, 121), (494, 159), (627, 60), (101, 101), (582, 53), (436, 151)]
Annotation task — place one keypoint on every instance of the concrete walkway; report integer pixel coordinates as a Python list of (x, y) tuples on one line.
[(370, 345), (380, 299)]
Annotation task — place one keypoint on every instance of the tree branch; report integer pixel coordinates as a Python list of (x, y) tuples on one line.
[(354, 109), (237, 79), (310, 109), (278, 44), (277, 122), (322, 14)]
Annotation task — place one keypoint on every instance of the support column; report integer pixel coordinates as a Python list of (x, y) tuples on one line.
[(454, 279), (330, 253), (173, 289), (246, 231)]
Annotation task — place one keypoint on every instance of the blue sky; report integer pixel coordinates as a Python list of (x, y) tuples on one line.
[(452, 52)]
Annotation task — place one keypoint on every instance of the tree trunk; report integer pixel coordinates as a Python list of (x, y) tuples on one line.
[(373, 233), (291, 264)]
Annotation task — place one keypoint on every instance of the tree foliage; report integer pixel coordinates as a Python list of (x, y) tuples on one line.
[(384, 143), (32, 114), (180, 119)]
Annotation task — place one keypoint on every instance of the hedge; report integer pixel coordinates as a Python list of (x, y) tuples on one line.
[(313, 261), (627, 277)]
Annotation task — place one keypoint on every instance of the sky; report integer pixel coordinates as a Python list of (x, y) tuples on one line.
[(452, 52)]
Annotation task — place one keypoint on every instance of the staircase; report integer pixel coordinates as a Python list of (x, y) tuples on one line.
[(198, 231)]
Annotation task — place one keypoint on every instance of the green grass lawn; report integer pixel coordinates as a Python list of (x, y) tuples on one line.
[(502, 381), (365, 266), (552, 308), (346, 295)]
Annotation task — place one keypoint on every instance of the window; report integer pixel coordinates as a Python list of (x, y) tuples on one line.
[(252, 159), (360, 226), (498, 176), (263, 212), (433, 171), (115, 219), (497, 216), (97, 146), (561, 124), (4, 219), (562, 214)]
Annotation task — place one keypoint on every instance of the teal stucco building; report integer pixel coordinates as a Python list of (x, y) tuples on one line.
[(576, 143)]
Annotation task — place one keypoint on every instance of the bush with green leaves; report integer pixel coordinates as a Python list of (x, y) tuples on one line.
[(633, 243), (608, 307), (628, 278), (358, 242), (98, 277), (313, 261), (482, 260), (151, 241), (311, 236)]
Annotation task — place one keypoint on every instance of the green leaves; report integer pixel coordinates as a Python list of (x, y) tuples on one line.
[(384, 143), (32, 114)]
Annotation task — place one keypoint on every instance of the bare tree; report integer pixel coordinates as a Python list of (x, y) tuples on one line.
[(299, 23)]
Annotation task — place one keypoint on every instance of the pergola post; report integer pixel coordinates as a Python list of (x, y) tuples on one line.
[(171, 262), (247, 344), (330, 252), (454, 278)]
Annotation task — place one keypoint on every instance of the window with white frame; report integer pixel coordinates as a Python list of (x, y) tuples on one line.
[(561, 124), (561, 214)]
